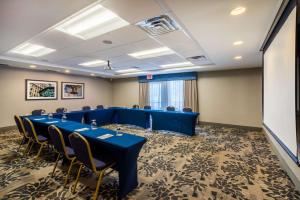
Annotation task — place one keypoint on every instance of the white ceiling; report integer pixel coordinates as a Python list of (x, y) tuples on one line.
[(207, 29)]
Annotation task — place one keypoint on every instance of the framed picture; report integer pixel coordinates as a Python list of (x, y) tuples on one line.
[(40, 90), (71, 90)]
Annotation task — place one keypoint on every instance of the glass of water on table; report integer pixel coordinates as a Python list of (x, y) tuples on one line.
[(93, 124), (118, 129)]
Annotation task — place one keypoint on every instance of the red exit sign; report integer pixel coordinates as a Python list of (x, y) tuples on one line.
[(149, 76)]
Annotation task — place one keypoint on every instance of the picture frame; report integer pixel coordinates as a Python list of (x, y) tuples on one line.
[(40, 90), (72, 90)]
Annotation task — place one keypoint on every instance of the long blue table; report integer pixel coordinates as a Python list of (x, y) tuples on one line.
[(123, 149), (135, 117)]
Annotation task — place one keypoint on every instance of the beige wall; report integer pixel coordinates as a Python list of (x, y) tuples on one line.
[(12, 87), (125, 92), (229, 97)]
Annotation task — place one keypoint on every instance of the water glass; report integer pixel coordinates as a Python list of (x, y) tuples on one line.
[(94, 124), (50, 116), (64, 118), (118, 129)]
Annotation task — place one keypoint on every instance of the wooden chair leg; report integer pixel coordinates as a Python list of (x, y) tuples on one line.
[(69, 171), (77, 178), (39, 152), (30, 148), (98, 185), (57, 159)]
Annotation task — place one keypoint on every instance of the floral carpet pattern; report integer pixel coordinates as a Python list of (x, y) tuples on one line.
[(218, 163)]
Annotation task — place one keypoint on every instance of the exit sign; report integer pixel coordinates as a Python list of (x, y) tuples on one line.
[(149, 76)]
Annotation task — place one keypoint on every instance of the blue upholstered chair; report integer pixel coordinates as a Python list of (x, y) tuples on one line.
[(84, 155), (61, 110), (170, 108), (33, 137), (135, 106), (84, 108), (38, 112), (22, 131), (61, 149), (100, 107), (147, 107), (187, 109)]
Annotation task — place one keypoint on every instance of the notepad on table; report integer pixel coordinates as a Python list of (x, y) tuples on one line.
[(105, 136), (82, 129), (38, 119), (52, 122)]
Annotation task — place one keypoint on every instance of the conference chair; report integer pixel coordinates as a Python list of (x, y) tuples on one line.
[(170, 108), (84, 155), (61, 149), (61, 110), (100, 107), (135, 106), (187, 109), (86, 108), (147, 107), (22, 131), (33, 137), (38, 112)]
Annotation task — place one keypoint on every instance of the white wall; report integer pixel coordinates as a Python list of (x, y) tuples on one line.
[(229, 97), (12, 87)]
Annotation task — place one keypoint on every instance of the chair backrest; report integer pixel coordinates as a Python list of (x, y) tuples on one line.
[(82, 150), (38, 112), (20, 125), (136, 106), (170, 108), (57, 140), (100, 107), (186, 109), (86, 108), (29, 128), (147, 107), (61, 110)]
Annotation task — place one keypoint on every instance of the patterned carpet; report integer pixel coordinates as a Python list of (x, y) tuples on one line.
[(218, 163)]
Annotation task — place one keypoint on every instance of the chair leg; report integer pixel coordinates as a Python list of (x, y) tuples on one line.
[(69, 171), (77, 178), (21, 144), (30, 148), (40, 150), (98, 185), (57, 159)]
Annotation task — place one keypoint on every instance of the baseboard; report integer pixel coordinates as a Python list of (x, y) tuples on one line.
[(7, 128), (250, 128), (286, 162)]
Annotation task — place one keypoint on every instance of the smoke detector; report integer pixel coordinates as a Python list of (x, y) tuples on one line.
[(158, 25)]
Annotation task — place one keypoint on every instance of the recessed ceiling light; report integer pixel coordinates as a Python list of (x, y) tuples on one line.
[(127, 70), (238, 11), (34, 50), (236, 43), (93, 63), (32, 66), (181, 64), (133, 73), (67, 71), (90, 22), (183, 68), (238, 57), (152, 53), (92, 74)]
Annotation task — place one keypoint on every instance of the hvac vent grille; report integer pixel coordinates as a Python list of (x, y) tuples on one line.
[(158, 25)]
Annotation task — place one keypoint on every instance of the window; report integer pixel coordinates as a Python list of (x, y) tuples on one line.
[(166, 93)]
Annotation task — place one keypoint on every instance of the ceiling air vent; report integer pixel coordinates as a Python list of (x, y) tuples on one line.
[(158, 25), (198, 58)]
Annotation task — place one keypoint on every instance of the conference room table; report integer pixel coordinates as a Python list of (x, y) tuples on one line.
[(123, 149)]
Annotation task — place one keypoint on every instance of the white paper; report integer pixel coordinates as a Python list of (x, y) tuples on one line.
[(38, 119), (105, 136), (53, 122), (82, 129)]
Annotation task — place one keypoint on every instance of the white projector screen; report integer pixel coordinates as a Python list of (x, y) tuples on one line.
[(279, 110)]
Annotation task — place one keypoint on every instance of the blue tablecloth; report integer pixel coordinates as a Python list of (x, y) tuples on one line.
[(123, 149), (132, 116), (102, 116), (182, 122), (76, 116)]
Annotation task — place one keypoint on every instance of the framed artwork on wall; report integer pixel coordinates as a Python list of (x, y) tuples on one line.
[(71, 90), (40, 90)]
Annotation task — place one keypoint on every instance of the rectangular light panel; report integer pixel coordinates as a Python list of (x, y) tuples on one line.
[(34, 50), (90, 22), (152, 53), (127, 70), (181, 64), (93, 63)]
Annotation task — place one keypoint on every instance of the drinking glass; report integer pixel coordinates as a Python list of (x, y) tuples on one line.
[(94, 124), (50, 116), (64, 118)]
